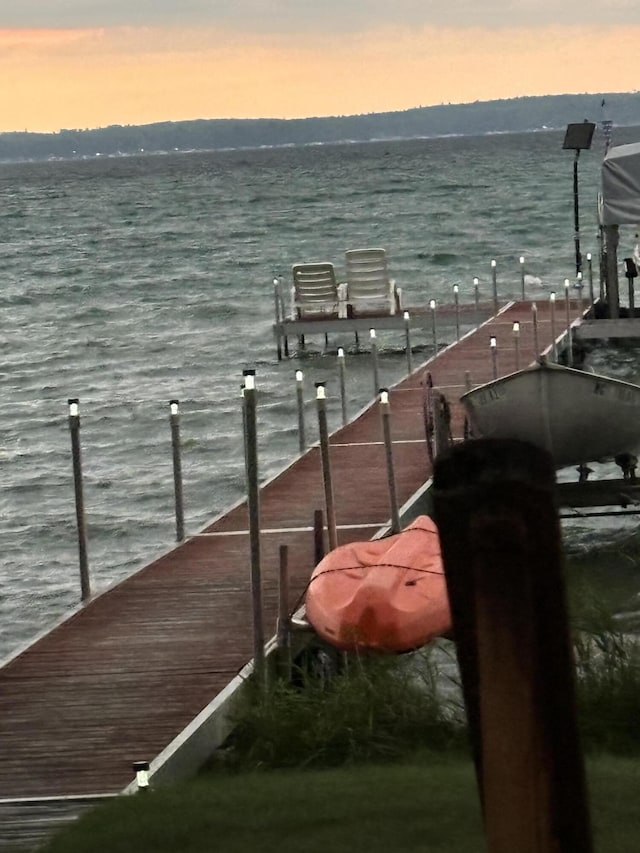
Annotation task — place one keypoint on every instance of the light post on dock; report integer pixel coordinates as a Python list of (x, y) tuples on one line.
[(74, 428), (516, 343), (253, 502), (579, 285), (374, 361), (174, 421), (536, 341), (522, 276), (342, 369), (321, 405), (407, 342), (141, 769), (432, 306), (568, 318), (577, 138), (476, 299), (456, 300), (385, 413), (554, 335), (590, 274), (302, 439), (493, 345), (494, 284)]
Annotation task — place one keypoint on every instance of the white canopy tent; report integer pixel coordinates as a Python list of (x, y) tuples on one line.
[(621, 185), (619, 205)]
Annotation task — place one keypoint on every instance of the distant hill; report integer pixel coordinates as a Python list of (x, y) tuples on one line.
[(504, 116)]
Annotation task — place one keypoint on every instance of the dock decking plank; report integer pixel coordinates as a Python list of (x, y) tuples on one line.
[(121, 677)]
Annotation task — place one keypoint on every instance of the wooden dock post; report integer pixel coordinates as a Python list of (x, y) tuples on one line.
[(522, 277), (76, 456), (495, 510), (302, 438), (253, 505), (321, 404), (342, 370), (385, 413), (174, 421)]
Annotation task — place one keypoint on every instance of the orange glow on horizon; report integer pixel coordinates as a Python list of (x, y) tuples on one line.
[(92, 78)]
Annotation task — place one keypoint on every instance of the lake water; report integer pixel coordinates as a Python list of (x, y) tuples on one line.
[(128, 282)]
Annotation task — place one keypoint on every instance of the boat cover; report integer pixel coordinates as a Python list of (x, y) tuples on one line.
[(621, 185)]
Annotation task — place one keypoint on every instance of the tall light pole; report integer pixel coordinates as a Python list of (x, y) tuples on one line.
[(577, 138)]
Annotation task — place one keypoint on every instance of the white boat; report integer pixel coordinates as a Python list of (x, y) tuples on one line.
[(579, 417)]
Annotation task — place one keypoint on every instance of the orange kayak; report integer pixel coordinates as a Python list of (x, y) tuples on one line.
[(386, 595)]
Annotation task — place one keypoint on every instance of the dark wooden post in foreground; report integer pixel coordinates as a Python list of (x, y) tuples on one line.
[(499, 530)]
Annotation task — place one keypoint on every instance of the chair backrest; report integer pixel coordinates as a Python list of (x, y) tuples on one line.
[(314, 285), (367, 274)]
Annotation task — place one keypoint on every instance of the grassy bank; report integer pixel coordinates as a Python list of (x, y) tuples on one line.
[(429, 803), (370, 754)]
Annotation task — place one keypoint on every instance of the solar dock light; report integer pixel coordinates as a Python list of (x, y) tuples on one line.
[(141, 769), (321, 405), (554, 336), (342, 375), (434, 330), (567, 308), (516, 343), (494, 284), (536, 341), (493, 344), (385, 413), (456, 300), (579, 285), (590, 276), (253, 505), (174, 421), (302, 441), (374, 361), (407, 342), (76, 456), (476, 299), (522, 276), (578, 138)]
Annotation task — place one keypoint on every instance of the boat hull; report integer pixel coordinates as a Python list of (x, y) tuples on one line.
[(577, 416), (387, 595)]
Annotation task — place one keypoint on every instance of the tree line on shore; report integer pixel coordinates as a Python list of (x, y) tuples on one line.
[(501, 116)]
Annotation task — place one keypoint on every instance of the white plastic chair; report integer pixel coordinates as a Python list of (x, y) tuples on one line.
[(368, 280), (316, 291)]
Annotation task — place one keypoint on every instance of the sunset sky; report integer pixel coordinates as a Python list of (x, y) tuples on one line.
[(91, 63)]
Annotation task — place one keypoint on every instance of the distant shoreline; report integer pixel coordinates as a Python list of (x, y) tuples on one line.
[(516, 115)]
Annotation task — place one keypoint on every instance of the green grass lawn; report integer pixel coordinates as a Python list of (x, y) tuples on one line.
[(427, 804)]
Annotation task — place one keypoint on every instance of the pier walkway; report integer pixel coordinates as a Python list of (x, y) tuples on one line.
[(125, 674)]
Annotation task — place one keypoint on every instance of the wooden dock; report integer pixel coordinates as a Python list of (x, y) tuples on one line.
[(126, 674)]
